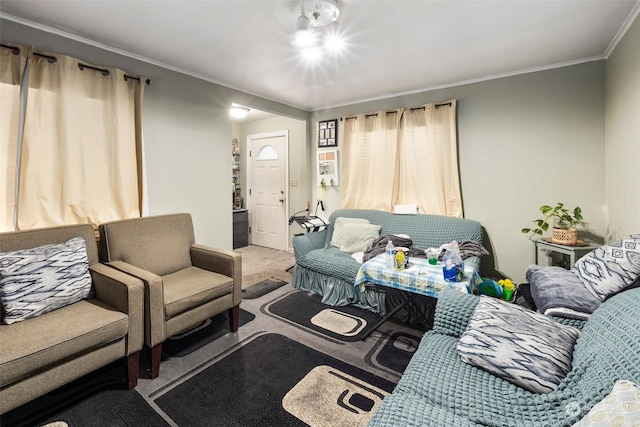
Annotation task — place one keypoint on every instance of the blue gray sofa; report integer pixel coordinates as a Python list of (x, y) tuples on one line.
[(324, 270), (439, 389)]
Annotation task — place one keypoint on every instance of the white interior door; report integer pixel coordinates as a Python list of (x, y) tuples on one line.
[(268, 190)]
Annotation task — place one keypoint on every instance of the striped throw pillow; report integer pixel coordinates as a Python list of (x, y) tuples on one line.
[(518, 345), (39, 280)]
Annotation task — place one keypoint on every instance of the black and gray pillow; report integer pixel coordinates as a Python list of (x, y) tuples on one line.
[(39, 280), (518, 345)]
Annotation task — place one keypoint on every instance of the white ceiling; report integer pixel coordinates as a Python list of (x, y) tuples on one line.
[(394, 46)]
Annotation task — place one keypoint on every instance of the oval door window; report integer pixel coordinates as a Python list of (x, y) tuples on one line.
[(268, 153)]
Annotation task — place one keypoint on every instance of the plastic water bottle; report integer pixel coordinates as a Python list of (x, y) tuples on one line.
[(449, 271), (453, 272), (390, 260)]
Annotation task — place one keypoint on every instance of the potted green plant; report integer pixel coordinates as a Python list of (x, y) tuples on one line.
[(564, 229)]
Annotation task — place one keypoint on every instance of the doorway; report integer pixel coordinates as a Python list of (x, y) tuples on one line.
[(268, 196)]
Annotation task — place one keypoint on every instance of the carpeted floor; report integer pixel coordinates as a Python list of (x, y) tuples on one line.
[(276, 370), (260, 263)]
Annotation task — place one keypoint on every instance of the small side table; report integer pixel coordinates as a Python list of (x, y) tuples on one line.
[(575, 252)]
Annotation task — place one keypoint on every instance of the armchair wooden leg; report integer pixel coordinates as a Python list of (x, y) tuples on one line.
[(234, 318), (156, 356), (133, 364)]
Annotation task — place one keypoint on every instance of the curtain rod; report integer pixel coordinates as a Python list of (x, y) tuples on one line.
[(393, 112), (15, 50), (106, 72), (53, 60), (386, 113)]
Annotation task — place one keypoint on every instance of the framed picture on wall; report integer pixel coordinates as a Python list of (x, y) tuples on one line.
[(328, 133)]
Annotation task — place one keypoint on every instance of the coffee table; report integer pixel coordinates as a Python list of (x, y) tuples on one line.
[(419, 278)]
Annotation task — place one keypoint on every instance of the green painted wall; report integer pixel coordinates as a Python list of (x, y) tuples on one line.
[(623, 135), (523, 141)]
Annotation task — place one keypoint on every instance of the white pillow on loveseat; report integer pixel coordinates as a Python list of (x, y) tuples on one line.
[(353, 235)]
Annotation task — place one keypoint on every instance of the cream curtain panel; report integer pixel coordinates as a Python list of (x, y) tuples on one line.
[(407, 156), (429, 160), (82, 136), (370, 160), (12, 63)]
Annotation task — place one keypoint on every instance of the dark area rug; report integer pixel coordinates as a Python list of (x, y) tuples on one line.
[(262, 288), (211, 330), (397, 351), (266, 381), (418, 313), (97, 399), (111, 408), (346, 323)]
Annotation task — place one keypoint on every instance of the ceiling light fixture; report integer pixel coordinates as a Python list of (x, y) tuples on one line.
[(317, 24), (238, 111)]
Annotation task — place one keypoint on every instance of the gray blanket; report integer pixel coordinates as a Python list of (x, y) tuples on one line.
[(560, 292), (377, 247), (468, 248)]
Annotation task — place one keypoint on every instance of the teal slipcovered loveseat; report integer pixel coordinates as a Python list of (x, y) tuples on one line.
[(439, 389), (323, 269)]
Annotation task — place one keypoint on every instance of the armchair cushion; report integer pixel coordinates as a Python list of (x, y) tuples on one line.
[(192, 287), (58, 336), (38, 280)]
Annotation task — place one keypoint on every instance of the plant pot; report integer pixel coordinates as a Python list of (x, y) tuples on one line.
[(564, 236)]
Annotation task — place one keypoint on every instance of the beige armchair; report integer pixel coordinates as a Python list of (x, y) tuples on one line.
[(185, 283), (41, 353)]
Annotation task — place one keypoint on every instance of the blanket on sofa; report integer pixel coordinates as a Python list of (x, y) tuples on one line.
[(560, 292), (468, 248), (377, 247)]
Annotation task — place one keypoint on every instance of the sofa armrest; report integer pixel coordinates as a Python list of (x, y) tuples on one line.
[(305, 243), (126, 294), (220, 261), (154, 332), (453, 312), (578, 324)]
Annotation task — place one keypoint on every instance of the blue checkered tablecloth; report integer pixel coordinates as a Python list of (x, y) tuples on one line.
[(419, 277)]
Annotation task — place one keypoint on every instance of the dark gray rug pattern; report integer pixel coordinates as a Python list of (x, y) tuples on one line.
[(397, 351), (248, 387), (269, 373), (111, 408), (262, 288), (347, 323), (211, 330)]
